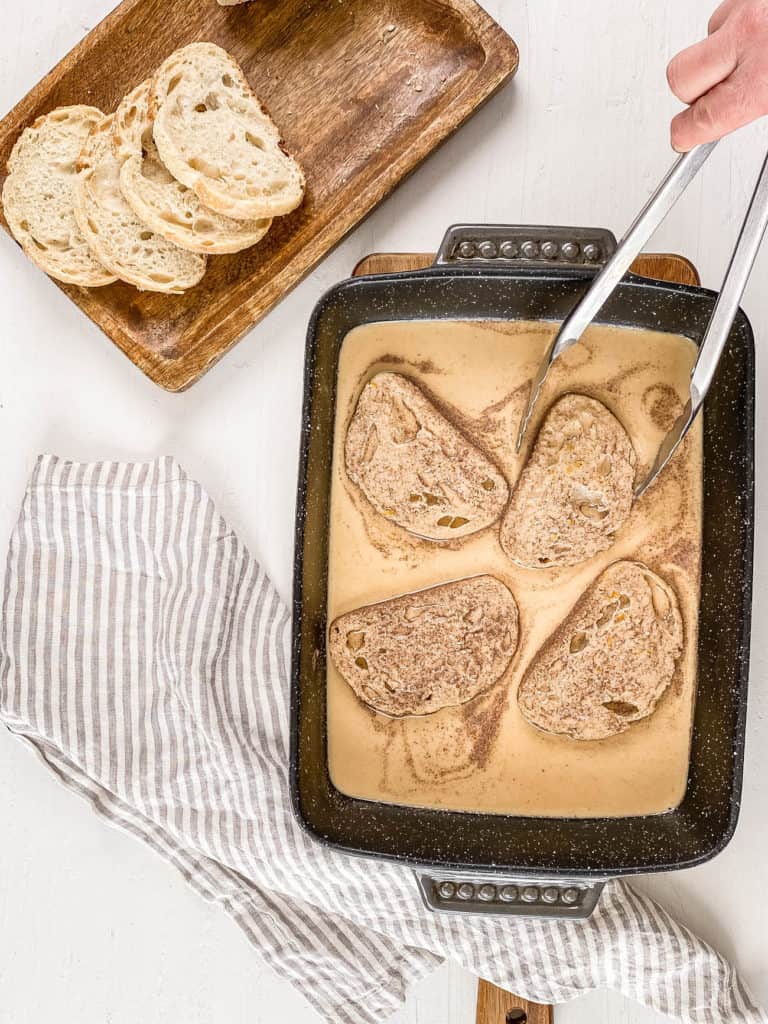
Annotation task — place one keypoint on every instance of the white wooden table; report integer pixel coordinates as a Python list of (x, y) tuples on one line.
[(93, 927)]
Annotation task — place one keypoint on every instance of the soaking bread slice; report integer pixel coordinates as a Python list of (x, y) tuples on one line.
[(38, 196), (576, 489), (214, 137), (608, 663), (166, 206), (415, 467), (124, 245), (428, 650)]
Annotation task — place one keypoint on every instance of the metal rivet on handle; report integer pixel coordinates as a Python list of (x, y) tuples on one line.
[(467, 250), (530, 250), (509, 250), (530, 894), (591, 252), (550, 894), (465, 891), (571, 896), (488, 250), (570, 250), (508, 893), (447, 890), (486, 893), (549, 249)]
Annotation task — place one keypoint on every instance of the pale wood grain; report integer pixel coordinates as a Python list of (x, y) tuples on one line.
[(496, 1006), (362, 92)]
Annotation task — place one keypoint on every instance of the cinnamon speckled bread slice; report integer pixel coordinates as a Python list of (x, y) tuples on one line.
[(415, 467), (576, 489), (214, 136), (38, 196), (427, 650), (610, 660), (166, 206), (124, 245)]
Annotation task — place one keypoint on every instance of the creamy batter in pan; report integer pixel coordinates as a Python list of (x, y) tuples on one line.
[(483, 756)]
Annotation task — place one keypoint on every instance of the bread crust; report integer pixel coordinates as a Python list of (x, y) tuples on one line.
[(214, 136), (169, 208), (610, 660), (38, 196), (427, 650), (415, 467), (126, 246)]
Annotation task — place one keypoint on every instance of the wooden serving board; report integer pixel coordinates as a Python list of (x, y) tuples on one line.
[(660, 266), (362, 92)]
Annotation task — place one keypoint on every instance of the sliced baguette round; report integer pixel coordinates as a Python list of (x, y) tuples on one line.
[(415, 467), (576, 489), (214, 137), (124, 245), (38, 196), (161, 202), (431, 649), (608, 663)]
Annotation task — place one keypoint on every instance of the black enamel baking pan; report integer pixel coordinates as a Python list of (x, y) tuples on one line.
[(509, 864)]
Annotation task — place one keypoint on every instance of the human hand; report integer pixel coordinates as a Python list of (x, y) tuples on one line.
[(724, 78)]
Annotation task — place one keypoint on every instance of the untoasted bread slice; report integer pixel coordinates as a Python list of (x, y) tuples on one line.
[(213, 136), (415, 467), (608, 663), (166, 206), (38, 196), (124, 245), (576, 489), (428, 650)]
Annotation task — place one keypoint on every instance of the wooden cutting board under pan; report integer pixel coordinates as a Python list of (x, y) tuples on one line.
[(494, 1004)]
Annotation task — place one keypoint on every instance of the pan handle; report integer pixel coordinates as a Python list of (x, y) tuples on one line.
[(498, 1006), (506, 245), (563, 898)]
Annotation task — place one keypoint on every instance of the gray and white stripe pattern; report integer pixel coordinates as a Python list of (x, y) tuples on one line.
[(144, 656)]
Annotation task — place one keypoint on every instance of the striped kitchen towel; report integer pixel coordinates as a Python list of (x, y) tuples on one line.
[(144, 656)]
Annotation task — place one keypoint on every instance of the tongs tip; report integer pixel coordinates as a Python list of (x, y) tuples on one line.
[(533, 395), (524, 421), (668, 447)]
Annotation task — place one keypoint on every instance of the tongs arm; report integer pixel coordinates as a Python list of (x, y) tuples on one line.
[(675, 182), (720, 323)]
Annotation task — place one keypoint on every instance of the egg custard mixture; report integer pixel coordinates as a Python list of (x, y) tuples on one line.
[(484, 755)]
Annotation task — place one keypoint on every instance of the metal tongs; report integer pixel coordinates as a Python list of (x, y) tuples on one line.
[(677, 180)]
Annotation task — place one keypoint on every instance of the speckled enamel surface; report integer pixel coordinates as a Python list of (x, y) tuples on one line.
[(705, 820)]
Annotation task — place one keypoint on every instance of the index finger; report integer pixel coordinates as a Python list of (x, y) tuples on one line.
[(697, 69), (728, 106)]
